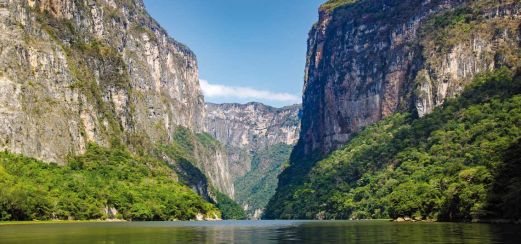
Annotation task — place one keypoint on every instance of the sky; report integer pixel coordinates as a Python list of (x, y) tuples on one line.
[(247, 50)]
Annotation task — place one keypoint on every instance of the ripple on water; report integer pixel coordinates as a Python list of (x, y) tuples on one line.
[(261, 232)]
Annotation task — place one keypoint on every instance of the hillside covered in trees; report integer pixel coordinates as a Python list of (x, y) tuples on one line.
[(113, 183), (139, 188), (459, 163)]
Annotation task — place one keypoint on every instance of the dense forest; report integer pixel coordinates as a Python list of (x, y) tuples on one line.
[(229, 208), (94, 184), (259, 184), (459, 163), (139, 188)]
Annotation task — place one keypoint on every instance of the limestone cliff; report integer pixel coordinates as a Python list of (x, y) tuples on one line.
[(369, 59), (74, 72), (251, 127), (258, 139)]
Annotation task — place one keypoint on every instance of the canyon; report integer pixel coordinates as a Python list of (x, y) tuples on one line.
[(258, 139), (74, 73), (370, 60), (79, 73), (397, 98)]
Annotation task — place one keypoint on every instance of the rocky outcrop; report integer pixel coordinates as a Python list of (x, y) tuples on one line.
[(453, 56), (258, 139), (245, 129), (100, 71), (213, 161), (200, 161), (369, 59)]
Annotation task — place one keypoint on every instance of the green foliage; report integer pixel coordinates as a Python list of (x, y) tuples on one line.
[(505, 196), (186, 150), (450, 28), (181, 151), (229, 208), (207, 140), (192, 142), (140, 188), (333, 4), (442, 166), (259, 184), (452, 18)]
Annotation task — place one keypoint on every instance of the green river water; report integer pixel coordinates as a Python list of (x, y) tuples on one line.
[(261, 232)]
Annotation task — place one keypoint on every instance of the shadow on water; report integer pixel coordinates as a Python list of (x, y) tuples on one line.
[(385, 232), (261, 232)]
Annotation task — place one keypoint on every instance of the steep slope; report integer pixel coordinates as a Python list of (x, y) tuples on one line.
[(258, 139), (200, 161), (258, 185), (369, 59), (450, 165), (80, 72)]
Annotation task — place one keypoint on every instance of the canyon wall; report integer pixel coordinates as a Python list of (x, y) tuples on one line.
[(251, 127), (74, 72), (258, 139), (369, 59)]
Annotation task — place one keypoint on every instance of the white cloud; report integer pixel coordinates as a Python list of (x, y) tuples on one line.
[(245, 93)]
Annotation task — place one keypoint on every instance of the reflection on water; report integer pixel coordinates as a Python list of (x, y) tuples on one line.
[(261, 232)]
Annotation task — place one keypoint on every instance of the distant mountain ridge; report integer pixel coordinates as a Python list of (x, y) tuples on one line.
[(258, 139)]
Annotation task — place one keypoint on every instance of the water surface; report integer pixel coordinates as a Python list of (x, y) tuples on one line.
[(261, 232)]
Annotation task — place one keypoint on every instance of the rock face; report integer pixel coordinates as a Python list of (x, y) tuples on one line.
[(245, 129), (258, 139), (74, 72), (200, 161), (213, 161), (369, 59)]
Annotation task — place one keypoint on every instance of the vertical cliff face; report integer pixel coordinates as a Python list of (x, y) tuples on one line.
[(213, 160), (369, 59), (251, 127), (487, 37), (258, 139), (74, 72)]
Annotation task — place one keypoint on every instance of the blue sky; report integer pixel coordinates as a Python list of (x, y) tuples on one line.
[(248, 50)]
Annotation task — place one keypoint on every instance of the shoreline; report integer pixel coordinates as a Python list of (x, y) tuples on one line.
[(474, 221), (33, 222)]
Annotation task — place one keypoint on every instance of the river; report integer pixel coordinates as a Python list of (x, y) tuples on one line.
[(261, 232)]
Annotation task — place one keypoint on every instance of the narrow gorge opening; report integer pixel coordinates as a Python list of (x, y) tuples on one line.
[(176, 111)]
